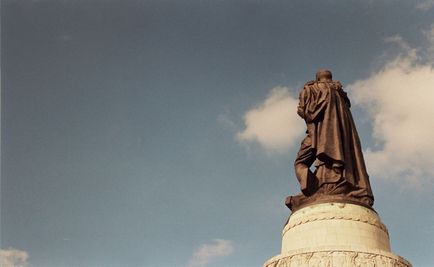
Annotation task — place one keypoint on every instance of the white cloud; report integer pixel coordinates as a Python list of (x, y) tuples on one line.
[(273, 124), (207, 253), (400, 101), (11, 257)]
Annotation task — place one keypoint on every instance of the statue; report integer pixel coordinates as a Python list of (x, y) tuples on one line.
[(333, 145)]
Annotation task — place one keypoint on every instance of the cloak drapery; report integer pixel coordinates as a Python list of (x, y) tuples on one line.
[(332, 140)]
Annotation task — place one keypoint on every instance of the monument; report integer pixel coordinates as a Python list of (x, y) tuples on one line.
[(332, 222)]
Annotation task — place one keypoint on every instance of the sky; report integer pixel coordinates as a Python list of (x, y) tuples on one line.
[(163, 133)]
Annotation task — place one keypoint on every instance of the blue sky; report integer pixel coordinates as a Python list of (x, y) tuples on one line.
[(122, 124)]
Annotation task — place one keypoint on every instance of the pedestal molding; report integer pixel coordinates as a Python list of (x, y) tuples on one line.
[(353, 217)]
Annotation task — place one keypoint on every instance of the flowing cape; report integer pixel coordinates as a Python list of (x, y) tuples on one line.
[(326, 110)]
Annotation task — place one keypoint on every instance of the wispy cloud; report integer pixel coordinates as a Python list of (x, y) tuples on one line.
[(425, 5), (11, 257), (274, 123), (429, 35), (400, 99), (210, 252), (397, 39), (226, 122)]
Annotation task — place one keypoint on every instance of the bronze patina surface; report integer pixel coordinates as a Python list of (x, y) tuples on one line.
[(332, 145)]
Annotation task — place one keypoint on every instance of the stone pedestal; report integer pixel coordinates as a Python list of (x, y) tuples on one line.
[(335, 234)]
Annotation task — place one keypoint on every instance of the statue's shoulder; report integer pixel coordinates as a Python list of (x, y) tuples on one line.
[(337, 84), (307, 88), (309, 83)]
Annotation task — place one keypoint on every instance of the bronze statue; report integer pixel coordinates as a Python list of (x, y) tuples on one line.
[(332, 143)]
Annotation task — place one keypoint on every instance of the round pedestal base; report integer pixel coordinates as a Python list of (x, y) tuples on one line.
[(335, 234)]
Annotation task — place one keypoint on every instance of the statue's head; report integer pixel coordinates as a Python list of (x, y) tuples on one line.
[(324, 75)]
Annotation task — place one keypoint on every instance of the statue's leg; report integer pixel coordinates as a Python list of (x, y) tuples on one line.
[(305, 158)]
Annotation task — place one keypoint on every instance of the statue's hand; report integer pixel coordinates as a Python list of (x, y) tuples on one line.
[(300, 112)]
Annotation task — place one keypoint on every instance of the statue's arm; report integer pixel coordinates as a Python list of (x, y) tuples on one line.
[(300, 110), (311, 105), (303, 99)]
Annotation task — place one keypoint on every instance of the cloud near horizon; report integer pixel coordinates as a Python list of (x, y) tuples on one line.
[(210, 252), (274, 123), (11, 257)]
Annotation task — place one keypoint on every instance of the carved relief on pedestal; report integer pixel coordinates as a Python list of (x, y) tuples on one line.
[(338, 258)]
